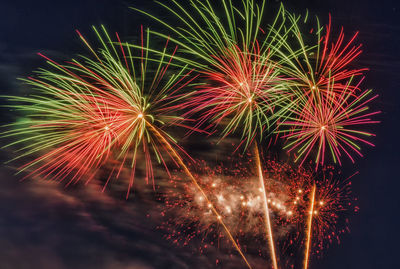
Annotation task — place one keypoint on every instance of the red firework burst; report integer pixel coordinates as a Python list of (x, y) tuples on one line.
[(242, 92), (102, 110), (327, 66), (329, 123)]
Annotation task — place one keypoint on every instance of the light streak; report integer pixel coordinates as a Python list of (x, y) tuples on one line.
[(309, 227), (266, 209)]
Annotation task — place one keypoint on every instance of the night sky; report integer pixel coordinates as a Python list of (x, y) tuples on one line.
[(44, 225)]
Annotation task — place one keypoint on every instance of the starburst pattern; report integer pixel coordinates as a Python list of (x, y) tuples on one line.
[(330, 124), (100, 110)]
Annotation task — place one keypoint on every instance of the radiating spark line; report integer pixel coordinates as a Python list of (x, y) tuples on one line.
[(309, 228), (267, 217)]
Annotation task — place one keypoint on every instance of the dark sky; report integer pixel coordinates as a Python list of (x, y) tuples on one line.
[(44, 226)]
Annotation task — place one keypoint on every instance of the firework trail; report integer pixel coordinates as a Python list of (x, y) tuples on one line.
[(266, 208), (309, 228)]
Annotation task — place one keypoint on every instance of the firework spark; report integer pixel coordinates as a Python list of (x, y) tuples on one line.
[(320, 202), (238, 200), (238, 197)]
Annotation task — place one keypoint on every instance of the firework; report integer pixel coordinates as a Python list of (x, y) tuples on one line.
[(331, 110), (323, 201), (318, 67), (242, 97), (100, 110), (291, 196), (318, 203), (238, 62), (246, 97), (329, 124)]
